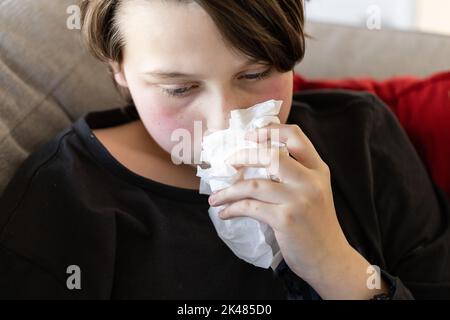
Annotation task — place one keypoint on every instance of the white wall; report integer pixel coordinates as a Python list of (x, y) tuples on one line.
[(433, 16), (394, 13), (424, 15)]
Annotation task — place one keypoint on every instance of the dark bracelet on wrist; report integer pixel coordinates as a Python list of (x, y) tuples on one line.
[(391, 290), (382, 296)]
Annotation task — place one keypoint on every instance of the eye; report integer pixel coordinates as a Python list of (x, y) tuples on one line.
[(178, 92), (183, 91), (258, 76)]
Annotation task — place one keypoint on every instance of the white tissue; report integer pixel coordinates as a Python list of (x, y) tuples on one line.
[(249, 239)]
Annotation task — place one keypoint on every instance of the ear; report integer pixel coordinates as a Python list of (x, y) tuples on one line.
[(119, 75)]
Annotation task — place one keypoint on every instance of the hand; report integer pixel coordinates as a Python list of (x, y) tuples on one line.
[(299, 208)]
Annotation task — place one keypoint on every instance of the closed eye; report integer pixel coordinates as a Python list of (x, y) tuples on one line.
[(183, 91)]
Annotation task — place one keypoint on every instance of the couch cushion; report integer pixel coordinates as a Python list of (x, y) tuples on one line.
[(338, 51), (47, 78)]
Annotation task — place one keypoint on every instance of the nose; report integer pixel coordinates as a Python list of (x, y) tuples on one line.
[(222, 102)]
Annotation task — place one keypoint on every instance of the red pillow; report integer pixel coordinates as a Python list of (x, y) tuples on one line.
[(422, 107)]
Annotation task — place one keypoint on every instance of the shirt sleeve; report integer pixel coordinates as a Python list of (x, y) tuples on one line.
[(21, 278), (47, 226), (413, 213)]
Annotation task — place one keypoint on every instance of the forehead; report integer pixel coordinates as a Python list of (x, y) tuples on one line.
[(176, 33)]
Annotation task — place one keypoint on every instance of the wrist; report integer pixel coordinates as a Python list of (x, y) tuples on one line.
[(345, 276)]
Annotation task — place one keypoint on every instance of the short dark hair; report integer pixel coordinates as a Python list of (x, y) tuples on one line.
[(270, 31)]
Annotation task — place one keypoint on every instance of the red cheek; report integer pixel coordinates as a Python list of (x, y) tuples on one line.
[(162, 121), (162, 113), (166, 122)]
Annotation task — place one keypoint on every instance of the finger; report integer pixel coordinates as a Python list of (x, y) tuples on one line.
[(298, 144), (263, 212), (277, 162), (258, 189)]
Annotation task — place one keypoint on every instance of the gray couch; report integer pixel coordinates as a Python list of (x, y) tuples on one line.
[(47, 78)]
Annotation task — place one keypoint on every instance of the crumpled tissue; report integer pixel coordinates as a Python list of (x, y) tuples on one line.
[(249, 239)]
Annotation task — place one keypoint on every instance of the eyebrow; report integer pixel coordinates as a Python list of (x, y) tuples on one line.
[(166, 74)]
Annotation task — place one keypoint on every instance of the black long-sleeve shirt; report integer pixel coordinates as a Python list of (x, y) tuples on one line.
[(71, 203)]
